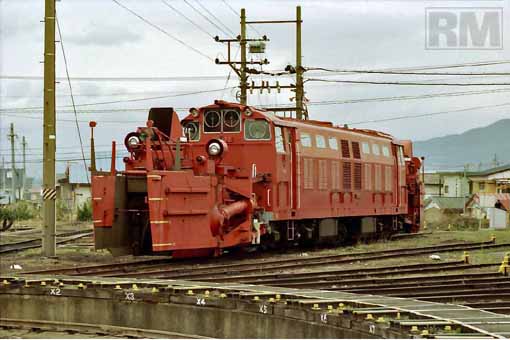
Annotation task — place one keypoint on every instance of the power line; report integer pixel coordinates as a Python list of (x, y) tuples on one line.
[(72, 120), (123, 79), (229, 74), (162, 30), (402, 83), (215, 17), (120, 101), (63, 160), (203, 78), (398, 98), (187, 18), (72, 97), (67, 147), (447, 66), (107, 94), (237, 14), (408, 72), (429, 114), (312, 103), (207, 18)]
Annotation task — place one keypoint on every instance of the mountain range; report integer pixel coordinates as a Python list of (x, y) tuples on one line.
[(481, 148)]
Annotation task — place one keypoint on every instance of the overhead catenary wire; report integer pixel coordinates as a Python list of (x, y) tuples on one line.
[(71, 94), (173, 37)]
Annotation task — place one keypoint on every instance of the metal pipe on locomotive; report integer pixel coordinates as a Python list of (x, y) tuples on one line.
[(230, 175)]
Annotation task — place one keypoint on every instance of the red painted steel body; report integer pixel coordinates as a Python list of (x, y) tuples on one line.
[(241, 173)]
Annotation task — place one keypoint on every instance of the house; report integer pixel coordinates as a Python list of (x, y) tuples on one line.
[(503, 205), (441, 209), (455, 184), (447, 184), (73, 187), (494, 180), (433, 184), (465, 183), (6, 183), (491, 206)]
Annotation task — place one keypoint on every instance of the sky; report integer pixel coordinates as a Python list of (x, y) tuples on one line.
[(102, 40)]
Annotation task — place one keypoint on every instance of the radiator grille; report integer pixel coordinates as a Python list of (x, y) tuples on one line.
[(355, 150), (345, 149), (357, 176), (347, 176)]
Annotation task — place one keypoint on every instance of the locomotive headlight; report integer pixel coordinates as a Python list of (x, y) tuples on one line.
[(214, 149), (134, 141)]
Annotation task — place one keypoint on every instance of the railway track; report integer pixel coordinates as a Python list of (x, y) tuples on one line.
[(166, 268), (279, 265), (471, 284), (90, 329), (337, 275), (37, 242)]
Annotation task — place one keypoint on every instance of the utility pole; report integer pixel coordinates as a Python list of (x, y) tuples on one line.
[(466, 169), (13, 165), (49, 141), (299, 69), (24, 182), (244, 78), (243, 71), (3, 173)]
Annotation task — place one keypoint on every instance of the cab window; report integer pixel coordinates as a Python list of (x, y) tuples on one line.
[(320, 142), (306, 140), (333, 143), (365, 147), (375, 149), (192, 131), (385, 151), (256, 129), (278, 140)]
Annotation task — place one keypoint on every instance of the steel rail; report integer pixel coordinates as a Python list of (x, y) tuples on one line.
[(36, 243), (418, 285), (272, 267), (60, 326), (150, 267), (391, 281), (292, 263), (326, 276)]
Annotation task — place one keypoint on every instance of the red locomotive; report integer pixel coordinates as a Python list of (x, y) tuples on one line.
[(230, 175)]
